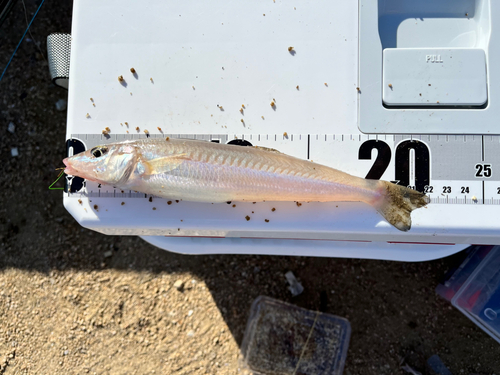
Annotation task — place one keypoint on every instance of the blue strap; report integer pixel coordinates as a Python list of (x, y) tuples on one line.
[(3, 73)]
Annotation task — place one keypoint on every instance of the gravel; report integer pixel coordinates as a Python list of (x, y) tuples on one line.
[(61, 105), (179, 285)]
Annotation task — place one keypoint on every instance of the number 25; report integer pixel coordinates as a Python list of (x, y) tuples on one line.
[(483, 170)]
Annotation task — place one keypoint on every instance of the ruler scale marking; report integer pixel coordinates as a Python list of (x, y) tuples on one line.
[(461, 178)]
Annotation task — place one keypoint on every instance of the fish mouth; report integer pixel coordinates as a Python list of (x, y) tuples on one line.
[(69, 170), (72, 171)]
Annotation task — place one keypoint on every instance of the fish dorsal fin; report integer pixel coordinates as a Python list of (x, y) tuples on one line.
[(164, 164), (268, 149)]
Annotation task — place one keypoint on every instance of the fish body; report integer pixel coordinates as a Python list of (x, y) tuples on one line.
[(201, 171)]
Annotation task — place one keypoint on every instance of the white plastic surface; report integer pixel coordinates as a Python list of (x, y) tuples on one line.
[(426, 24), (434, 77), (205, 54), (340, 249), (191, 57)]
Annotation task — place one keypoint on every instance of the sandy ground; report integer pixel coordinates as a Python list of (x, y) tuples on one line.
[(73, 301)]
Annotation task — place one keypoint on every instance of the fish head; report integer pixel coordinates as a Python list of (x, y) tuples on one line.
[(109, 164)]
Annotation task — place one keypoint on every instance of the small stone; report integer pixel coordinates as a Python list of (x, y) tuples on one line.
[(190, 333), (66, 352), (295, 287), (179, 285), (190, 312), (61, 105), (14, 152), (107, 254), (11, 127)]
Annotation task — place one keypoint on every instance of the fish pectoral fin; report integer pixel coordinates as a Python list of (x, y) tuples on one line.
[(268, 149), (164, 164)]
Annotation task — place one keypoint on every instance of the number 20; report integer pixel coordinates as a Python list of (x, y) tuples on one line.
[(402, 162)]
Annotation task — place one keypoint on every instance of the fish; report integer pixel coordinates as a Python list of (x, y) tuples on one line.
[(201, 171)]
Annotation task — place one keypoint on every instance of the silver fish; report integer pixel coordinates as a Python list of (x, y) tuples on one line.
[(201, 171)]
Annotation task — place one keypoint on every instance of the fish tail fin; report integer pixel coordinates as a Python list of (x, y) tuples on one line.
[(397, 202)]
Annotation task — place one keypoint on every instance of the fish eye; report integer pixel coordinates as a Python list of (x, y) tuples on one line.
[(99, 151)]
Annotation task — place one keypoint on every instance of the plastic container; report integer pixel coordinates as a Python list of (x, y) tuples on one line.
[(282, 339), (474, 288)]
